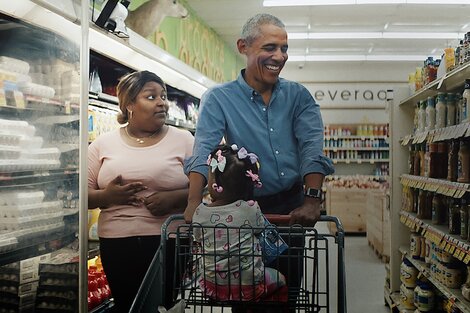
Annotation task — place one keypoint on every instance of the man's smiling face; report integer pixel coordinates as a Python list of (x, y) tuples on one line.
[(266, 56)]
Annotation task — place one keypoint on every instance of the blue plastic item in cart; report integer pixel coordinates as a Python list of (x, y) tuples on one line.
[(271, 242)]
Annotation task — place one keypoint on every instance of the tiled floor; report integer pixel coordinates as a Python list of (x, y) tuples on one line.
[(365, 274)]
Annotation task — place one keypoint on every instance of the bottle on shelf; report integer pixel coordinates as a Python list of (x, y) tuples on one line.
[(466, 101), (454, 217), (452, 161), (463, 167), (430, 114), (438, 214), (441, 112), (422, 116), (450, 109)]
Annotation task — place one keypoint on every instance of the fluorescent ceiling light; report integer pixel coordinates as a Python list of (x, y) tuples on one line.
[(356, 57), (376, 35), (283, 3)]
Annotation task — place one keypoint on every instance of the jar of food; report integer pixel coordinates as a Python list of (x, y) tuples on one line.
[(438, 210), (415, 245), (408, 274), (466, 285), (407, 297), (441, 171), (425, 298), (453, 275)]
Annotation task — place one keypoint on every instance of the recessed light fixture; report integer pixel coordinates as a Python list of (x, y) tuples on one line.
[(357, 58), (283, 3), (376, 35)]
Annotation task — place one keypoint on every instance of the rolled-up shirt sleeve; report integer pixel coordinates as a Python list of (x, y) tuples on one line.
[(209, 133), (308, 129)]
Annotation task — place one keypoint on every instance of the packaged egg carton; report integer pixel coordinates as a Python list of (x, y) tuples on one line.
[(41, 154), (30, 222), (21, 211), (36, 90), (65, 262), (18, 304), (14, 65), (10, 152), (8, 242), (18, 289), (9, 198), (17, 127), (23, 165), (11, 138), (42, 230)]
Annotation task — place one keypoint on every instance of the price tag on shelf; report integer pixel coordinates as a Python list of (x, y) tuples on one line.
[(466, 259)]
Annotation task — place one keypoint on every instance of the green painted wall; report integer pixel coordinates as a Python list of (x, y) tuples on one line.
[(193, 42)]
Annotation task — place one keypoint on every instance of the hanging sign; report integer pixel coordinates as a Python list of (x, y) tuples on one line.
[(354, 95)]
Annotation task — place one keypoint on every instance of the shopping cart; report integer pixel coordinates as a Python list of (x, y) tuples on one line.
[(318, 289)]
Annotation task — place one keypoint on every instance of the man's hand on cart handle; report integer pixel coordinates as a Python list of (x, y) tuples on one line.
[(307, 214)]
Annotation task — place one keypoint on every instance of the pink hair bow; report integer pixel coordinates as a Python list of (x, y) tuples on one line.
[(242, 153), (254, 178)]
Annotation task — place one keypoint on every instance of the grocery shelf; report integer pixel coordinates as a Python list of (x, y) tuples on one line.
[(355, 137), (356, 149), (438, 234), (453, 294), (360, 161), (449, 82), (440, 186), (37, 245), (439, 134), (30, 178)]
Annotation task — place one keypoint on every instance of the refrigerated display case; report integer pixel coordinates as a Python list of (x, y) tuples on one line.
[(39, 168)]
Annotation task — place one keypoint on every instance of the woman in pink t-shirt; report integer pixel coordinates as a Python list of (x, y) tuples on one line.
[(136, 178)]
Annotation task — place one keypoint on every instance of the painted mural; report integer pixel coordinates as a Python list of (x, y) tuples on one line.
[(193, 42)]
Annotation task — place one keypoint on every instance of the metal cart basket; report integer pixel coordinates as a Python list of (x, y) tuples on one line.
[(314, 255)]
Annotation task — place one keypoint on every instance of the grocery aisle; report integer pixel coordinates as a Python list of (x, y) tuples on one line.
[(365, 277)]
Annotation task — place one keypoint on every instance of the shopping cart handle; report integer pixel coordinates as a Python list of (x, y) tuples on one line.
[(278, 219)]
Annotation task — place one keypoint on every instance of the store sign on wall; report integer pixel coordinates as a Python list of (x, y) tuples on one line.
[(333, 95)]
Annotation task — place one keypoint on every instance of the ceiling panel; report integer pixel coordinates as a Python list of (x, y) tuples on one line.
[(226, 17)]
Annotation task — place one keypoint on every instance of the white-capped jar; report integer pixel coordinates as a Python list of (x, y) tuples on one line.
[(408, 274)]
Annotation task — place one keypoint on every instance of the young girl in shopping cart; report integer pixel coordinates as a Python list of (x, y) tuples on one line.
[(228, 231)]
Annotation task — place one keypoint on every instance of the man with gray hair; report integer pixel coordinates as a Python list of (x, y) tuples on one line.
[(274, 118)]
